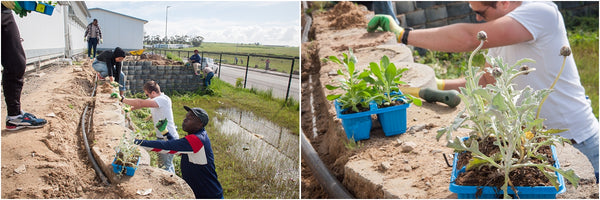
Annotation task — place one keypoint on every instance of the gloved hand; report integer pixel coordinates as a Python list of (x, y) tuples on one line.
[(386, 23), (127, 109), (13, 5), (9, 4), (161, 125), (85, 39), (114, 84), (101, 41), (116, 95)]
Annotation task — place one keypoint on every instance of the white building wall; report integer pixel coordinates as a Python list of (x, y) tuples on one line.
[(42, 35), (118, 30)]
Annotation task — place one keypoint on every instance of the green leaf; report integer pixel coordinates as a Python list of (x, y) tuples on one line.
[(332, 97), (351, 68), (375, 70), (390, 73), (475, 162), (335, 59), (499, 102), (416, 101), (553, 131), (551, 177), (385, 61), (518, 63), (331, 87)]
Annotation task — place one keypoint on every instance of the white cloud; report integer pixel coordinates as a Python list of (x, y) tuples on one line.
[(267, 22)]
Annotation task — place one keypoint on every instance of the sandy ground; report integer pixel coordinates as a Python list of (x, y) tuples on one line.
[(419, 173), (51, 162)]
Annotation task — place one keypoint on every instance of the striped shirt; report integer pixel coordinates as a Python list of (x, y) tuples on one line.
[(197, 162)]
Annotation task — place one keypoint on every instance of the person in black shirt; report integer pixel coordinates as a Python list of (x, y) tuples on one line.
[(108, 64)]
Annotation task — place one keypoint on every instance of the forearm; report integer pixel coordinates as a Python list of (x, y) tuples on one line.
[(459, 37), (140, 103), (134, 103), (455, 84)]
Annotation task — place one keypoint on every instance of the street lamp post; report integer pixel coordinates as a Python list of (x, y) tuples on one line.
[(166, 17)]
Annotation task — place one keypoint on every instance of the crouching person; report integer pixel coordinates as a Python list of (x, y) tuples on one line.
[(197, 161), (108, 64)]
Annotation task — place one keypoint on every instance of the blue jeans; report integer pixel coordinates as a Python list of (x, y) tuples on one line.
[(92, 43), (166, 162), (100, 67), (589, 148), (207, 78), (384, 7)]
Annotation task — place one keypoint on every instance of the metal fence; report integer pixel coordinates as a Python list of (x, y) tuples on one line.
[(285, 65)]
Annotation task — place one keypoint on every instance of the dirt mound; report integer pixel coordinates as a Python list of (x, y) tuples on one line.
[(347, 15), (51, 162), (155, 58)]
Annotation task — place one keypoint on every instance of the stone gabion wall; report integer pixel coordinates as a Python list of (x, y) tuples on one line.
[(429, 14), (170, 78)]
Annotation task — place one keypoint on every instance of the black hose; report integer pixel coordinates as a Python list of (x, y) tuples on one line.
[(87, 148), (332, 186), (85, 140)]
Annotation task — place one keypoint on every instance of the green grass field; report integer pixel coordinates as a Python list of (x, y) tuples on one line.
[(236, 177), (280, 65)]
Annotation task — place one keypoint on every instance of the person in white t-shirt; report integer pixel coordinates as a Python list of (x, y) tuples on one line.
[(518, 30), (161, 109)]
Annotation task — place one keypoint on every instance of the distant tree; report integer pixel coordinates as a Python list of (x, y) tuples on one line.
[(174, 39), (197, 41)]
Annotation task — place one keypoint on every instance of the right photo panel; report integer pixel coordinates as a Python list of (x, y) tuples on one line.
[(449, 99)]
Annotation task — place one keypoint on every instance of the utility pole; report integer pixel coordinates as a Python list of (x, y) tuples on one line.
[(166, 22)]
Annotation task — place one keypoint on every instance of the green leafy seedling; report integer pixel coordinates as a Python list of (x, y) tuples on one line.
[(385, 79), (357, 93)]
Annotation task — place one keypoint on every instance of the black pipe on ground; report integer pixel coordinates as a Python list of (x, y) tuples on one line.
[(87, 145), (332, 186)]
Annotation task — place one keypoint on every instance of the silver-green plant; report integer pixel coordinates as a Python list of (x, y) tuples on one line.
[(509, 117), (127, 152)]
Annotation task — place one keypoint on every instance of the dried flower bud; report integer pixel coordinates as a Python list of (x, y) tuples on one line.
[(524, 68), (497, 72), (565, 51), (481, 36)]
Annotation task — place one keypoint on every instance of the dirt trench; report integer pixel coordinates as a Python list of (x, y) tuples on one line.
[(379, 167), (51, 162)]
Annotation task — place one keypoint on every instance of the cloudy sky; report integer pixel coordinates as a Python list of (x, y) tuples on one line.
[(267, 22)]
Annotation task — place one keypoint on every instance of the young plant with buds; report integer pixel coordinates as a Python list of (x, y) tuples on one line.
[(506, 115)]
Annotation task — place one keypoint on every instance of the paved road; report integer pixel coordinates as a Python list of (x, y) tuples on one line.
[(263, 80)]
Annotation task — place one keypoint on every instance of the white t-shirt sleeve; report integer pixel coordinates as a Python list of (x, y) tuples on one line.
[(536, 17), (162, 102)]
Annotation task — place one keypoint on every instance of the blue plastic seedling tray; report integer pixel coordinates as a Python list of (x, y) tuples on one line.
[(489, 192)]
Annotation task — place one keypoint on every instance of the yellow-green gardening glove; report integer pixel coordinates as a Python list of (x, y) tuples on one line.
[(161, 125), (386, 23), (13, 5), (117, 96)]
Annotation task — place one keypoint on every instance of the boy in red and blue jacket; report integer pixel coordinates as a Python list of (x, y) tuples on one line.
[(197, 161)]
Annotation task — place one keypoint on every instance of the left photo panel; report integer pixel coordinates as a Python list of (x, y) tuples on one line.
[(150, 99)]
